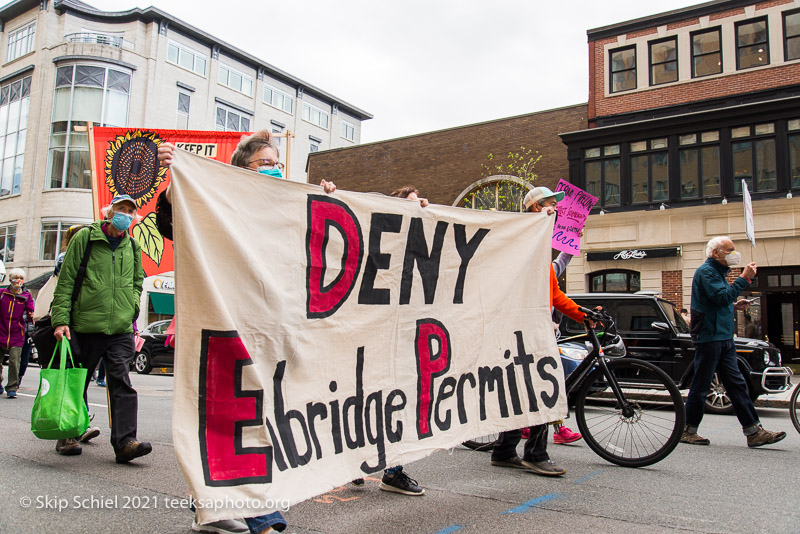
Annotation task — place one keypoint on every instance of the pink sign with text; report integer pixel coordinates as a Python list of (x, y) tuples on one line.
[(572, 213)]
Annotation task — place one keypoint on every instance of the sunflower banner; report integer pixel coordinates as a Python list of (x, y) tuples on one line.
[(125, 162)]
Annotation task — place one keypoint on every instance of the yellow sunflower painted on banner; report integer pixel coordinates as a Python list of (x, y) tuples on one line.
[(132, 165)]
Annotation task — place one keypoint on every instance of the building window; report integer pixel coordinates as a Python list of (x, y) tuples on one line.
[(183, 111), (615, 281), (752, 48), (791, 35), (185, 57), (348, 131), (236, 80), (315, 115), (52, 237), (21, 41), (794, 153), (602, 174), (84, 94), (14, 103), (663, 61), (313, 146), (753, 151), (650, 173), (8, 238), (698, 159), (706, 52), (623, 69), (277, 98), (496, 195), (229, 120)]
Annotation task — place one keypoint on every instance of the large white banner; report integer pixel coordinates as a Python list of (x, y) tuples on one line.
[(324, 337)]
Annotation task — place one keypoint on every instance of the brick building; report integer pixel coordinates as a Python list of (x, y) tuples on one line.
[(65, 63), (446, 165), (683, 106)]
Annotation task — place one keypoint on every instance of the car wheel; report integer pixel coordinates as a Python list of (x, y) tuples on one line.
[(717, 400), (142, 363)]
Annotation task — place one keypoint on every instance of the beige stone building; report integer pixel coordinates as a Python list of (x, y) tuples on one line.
[(65, 64)]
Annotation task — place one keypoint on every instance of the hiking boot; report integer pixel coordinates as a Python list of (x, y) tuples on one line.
[(400, 483), (565, 435), (547, 468), (764, 437), (226, 526), (514, 462), (693, 439), (68, 447), (131, 450), (91, 433)]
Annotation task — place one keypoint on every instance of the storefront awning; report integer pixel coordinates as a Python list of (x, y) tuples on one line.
[(163, 303), (633, 254)]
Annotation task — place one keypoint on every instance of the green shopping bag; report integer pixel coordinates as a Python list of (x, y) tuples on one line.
[(59, 411)]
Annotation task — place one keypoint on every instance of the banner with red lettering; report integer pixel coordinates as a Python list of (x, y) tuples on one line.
[(321, 337), (125, 162)]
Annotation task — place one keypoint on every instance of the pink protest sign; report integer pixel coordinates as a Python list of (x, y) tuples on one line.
[(572, 213)]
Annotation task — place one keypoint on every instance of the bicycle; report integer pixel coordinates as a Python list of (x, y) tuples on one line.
[(794, 407), (620, 405)]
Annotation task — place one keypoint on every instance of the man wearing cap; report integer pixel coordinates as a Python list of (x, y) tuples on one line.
[(535, 458), (99, 324)]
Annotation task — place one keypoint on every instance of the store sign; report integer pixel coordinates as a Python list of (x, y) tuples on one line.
[(158, 283), (633, 254)]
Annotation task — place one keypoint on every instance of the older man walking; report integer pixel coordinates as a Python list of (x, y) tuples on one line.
[(713, 306)]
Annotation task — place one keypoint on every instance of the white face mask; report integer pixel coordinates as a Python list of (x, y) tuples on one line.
[(733, 259)]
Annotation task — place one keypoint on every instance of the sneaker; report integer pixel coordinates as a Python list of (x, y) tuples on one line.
[(401, 483), (547, 468), (133, 449), (101, 382), (68, 447), (1, 385), (358, 482), (91, 433), (11, 394), (693, 439), (515, 463), (222, 527), (764, 437), (565, 435)]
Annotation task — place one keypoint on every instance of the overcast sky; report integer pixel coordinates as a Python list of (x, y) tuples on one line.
[(420, 65)]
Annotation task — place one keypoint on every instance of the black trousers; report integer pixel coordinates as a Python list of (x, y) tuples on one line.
[(116, 351), (535, 449)]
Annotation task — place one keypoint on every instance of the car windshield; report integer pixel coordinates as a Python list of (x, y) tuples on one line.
[(674, 317)]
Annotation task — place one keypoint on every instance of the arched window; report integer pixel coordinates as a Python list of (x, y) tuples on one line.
[(497, 193), (615, 281)]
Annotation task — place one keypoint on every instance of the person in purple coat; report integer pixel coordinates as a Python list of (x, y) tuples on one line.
[(14, 303)]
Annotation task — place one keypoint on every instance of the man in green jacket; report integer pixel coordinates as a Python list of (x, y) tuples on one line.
[(99, 323), (713, 304)]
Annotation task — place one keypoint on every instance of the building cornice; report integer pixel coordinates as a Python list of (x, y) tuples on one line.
[(76, 57)]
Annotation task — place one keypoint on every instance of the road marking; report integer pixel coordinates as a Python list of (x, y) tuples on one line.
[(521, 509), (587, 477), (451, 528), (90, 404)]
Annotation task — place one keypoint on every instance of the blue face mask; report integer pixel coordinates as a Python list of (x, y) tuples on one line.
[(274, 171), (121, 221)]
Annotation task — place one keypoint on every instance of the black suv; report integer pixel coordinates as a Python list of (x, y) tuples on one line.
[(655, 332), (154, 352)]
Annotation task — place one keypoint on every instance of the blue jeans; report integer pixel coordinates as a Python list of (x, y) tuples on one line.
[(719, 357), (274, 520)]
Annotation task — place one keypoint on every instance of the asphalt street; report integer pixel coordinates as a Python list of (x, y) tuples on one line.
[(722, 488)]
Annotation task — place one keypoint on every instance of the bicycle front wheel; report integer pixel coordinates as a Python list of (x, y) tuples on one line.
[(794, 407), (642, 430)]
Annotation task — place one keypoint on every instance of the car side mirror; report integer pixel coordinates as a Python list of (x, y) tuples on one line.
[(661, 328)]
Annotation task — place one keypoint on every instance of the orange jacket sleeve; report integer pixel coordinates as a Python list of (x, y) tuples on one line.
[(561, 302)]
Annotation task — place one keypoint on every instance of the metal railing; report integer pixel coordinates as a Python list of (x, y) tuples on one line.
[(98, 38)]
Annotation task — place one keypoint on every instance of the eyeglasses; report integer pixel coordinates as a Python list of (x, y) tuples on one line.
[(267, 163)]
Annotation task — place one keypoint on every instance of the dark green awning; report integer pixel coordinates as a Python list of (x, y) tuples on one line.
[(163, 303)]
